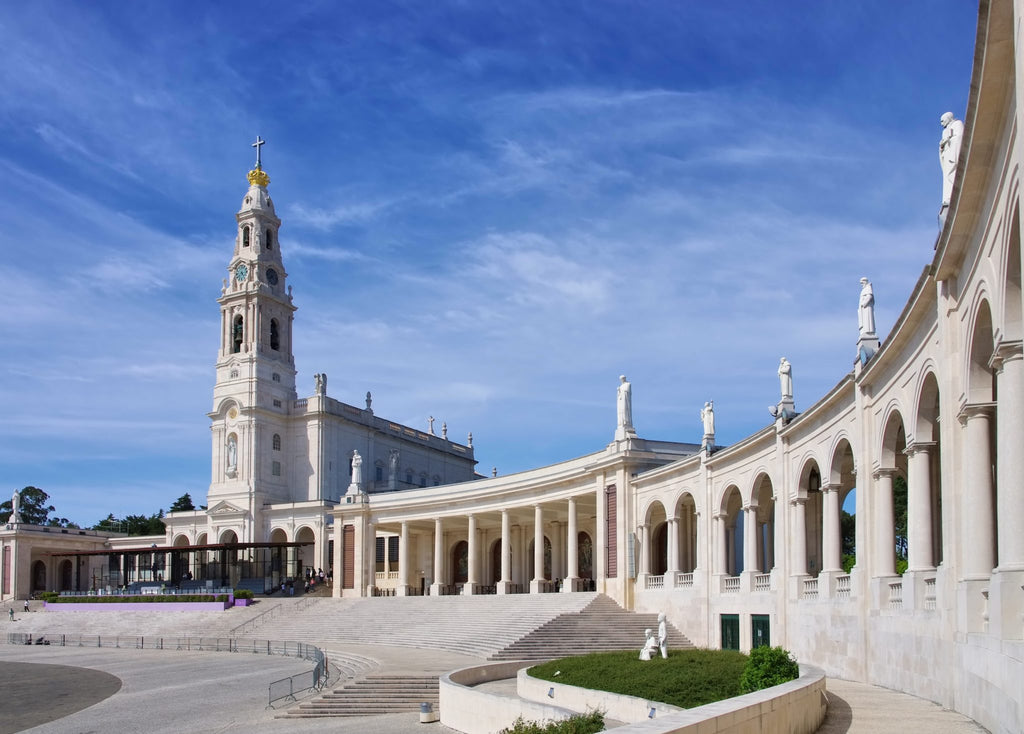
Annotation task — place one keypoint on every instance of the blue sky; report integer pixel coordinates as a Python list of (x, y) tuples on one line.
[(490, 211)]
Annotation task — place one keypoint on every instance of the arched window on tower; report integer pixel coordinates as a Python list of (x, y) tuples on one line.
[(275, 338), (236, 334), (245, 236), (277, 442), (270, 240)]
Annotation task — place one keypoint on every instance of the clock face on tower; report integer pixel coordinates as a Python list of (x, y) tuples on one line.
[(240, 272), (271, 276)]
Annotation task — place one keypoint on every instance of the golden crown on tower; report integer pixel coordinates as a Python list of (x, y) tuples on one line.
[(258, 177)]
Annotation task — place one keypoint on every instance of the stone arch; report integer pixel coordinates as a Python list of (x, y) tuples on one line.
[(730, 541), (980, 376), (228, 536), (181, 561), (65, 578), (460, 562), (656, 554), (547, 559), (842, 478), (1012, 322), (889, 499), (201, 539), (494, 558), (763, 504), (180, 541), (585, 554), (686, 513), (305, 556), (809, 494), (38, 576), (924, 479)]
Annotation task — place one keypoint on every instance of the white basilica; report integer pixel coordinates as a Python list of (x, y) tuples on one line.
[(740, 545)]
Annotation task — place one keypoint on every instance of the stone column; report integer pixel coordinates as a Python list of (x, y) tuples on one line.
[(369, 574), (721, 559), (920, 555), (885, 531), (556, 550), (471, 551), (978, 516), (799, 536), (1010, 457), (572, 550), (832, 535), (672, 564), (750, 539), (505, 580), (645, 549), (518, 560), (537, 582), (338, 560), (403, 561), (435, 588), (600, 536)]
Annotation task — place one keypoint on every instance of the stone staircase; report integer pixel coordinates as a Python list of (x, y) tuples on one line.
[(601, 626), (472, 625), (371, 696)]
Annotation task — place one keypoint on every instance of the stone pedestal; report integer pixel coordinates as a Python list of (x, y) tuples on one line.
[(435, 589), (1006, 605), (504, 587), (401, 590), (570, 584)]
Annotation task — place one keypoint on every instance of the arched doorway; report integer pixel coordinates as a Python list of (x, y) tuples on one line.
[(731, 533), (657, 554), (547, 559), (814, 514), (305, 555), (495, 571), (460, 562), (585, 555), (64, 574), (38, 576), (687, 514), (764, 524)]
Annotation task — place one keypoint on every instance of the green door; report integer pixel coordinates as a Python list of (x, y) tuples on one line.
[(730, 632), (760, 630)]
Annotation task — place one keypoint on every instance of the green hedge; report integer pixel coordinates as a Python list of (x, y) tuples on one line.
[(147, 599), (49, 595), (767, 667), (243, 594), (589, 723)]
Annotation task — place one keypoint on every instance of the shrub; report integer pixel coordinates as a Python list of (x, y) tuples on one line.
[(49, 596), (588, 723), (243, 594), (768, 666)]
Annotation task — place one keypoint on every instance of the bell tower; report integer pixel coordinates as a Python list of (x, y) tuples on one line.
[(255, 387)]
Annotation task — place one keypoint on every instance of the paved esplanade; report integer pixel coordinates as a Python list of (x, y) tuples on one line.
[(165, 691)]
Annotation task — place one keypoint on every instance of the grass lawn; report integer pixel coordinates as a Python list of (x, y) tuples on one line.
[(687, 678)]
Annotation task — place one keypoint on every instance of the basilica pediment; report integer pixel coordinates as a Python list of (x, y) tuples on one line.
[(225, 509)]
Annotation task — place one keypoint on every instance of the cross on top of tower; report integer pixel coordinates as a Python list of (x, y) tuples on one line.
[(259, 142)]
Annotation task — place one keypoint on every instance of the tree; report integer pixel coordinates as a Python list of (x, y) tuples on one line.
[(182, 504), (34, 509), (899, 506), (133, 524)]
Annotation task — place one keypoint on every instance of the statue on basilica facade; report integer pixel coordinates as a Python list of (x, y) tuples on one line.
[(707, 416), (320, 383), (949, 152), (624, 410), (357, 470), (15, 507), (232, 453), (866, 310), (786, 380)]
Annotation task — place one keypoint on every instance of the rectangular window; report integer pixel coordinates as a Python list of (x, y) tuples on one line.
[(348, 557), (380, 553), (611, 533), (275, 377), (760, 630), (277, 403), (393, 549), (730, 632), (380, 473), (275, 468)]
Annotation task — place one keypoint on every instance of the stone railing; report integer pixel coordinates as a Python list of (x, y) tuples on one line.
[(684, 579), (654, 582), (843, 587), (810, 589), (730, 584), (929, 594), (896, 595), (763, 582)]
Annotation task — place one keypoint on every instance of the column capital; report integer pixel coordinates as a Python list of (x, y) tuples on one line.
[(832, 487), (970, 411), (797, 500), (883, 472), (1006, 351), (919, 447)]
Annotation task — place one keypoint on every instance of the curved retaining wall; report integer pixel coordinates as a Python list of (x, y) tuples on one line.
[(797, 707)]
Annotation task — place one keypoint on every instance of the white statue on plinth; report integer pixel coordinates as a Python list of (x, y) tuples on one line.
[(232, 453), (866, 311), (15, 507), (624, 409), (707, 416), (786, 380), (357, 470), (949, 152)]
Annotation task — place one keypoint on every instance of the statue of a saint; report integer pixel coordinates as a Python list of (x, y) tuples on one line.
[(316, 384), (393, 457), (444, 430), (469, 440), (624, 404), (949, 152), (786, 379), (663, 634), (357, 469), (16, 507), (430, 425), (232, 452), (866, 312), (707, 416), (369, 401)]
